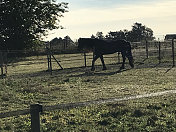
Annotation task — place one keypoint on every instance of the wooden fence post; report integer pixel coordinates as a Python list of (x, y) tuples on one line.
[(50, 63), (146, 46), (2, 74), (85, 59), (173, 53), (3, 64), (35, 110), (48, 47), (159, 57), (50, 59)]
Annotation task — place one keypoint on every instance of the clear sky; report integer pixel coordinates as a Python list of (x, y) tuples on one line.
[(87, 17)]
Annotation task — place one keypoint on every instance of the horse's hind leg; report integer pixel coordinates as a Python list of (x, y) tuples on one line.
[(123, 63), (93, 62), (130, 58), (131, 62), (102, 61)]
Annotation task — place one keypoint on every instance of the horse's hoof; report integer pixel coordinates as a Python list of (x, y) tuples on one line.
[(132, 65), (122, 67)]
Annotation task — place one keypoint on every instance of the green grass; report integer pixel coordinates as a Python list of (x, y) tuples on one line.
[(148, 114), (28, 82)]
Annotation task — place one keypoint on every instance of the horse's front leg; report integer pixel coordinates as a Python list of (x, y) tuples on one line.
[(102, 61), (93, 62), (124, 58)]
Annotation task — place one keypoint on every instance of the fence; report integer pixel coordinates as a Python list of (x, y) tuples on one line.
[(3, 63), (36, 109), (164, 51), (159, 50)]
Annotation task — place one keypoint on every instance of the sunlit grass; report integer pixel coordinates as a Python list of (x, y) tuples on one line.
[(28, 82)]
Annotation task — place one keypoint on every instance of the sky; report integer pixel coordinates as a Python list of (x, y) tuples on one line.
[(87, 17)]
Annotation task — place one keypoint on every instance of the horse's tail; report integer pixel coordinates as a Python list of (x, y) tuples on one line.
[(129, 54), (128, 51)]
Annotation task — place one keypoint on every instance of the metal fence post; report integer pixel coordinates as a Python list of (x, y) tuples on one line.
[(85, 59), (159, 57), (35, 110), (173, 53), (146, 46), (2, 74)]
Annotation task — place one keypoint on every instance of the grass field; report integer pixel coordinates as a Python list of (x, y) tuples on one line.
[(28, 82)]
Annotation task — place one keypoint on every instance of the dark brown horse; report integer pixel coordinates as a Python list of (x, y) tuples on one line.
[(102, 47)]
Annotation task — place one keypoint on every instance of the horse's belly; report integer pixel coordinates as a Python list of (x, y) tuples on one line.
[(109, 52), (107, 49)]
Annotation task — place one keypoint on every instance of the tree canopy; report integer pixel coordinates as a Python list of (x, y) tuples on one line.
[(137, 33), (22, 22), (140, 32)]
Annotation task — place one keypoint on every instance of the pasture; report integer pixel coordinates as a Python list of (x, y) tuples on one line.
[(28, 83)]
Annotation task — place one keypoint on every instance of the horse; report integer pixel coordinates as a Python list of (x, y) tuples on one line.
[(103, 47)]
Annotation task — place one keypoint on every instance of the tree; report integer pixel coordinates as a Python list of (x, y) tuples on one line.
[(99, 35), (22, 22), (140, 32), (93, 37), (116, 35), (148, 34)]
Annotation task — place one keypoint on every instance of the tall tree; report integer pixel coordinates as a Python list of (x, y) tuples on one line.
[(140, 32), (149, 34), (116, 35), (24, 21), (99, 35)]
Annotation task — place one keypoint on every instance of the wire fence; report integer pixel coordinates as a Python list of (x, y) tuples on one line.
[(36, 109), (158, 52), (163, 52)]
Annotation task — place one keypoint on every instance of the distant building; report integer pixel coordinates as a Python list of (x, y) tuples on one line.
[(170, 36)]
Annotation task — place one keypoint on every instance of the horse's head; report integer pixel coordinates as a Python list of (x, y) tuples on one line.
[(85, 44)]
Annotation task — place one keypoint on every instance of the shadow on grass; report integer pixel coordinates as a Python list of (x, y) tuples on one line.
[(82, 71), (72, 72), (169, 69), (99, 73)]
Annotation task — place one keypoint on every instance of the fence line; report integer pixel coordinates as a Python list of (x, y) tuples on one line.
[(143, 47), (141, 50), (87, 103), (173, 53), (14, 113), (36, 109)]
